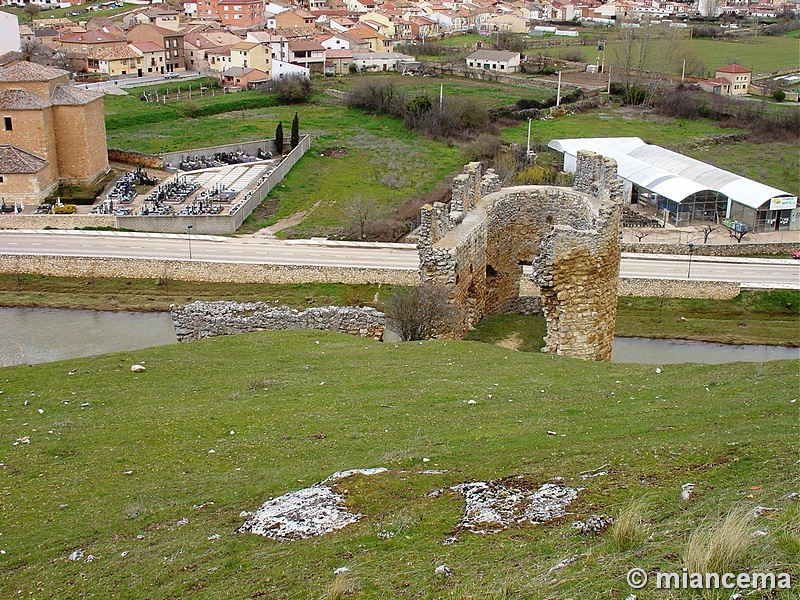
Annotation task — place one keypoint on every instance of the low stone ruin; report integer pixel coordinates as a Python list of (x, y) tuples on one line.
[(209, 319)]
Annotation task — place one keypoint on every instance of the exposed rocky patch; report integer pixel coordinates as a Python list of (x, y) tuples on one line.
[(305, 513), (497, 504)]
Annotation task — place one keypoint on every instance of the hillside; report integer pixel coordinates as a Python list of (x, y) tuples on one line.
[(150, 473)]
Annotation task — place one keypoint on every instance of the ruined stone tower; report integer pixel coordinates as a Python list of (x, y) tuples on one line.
[(477, 246)]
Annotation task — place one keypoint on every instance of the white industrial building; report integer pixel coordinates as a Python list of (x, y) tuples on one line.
[(683, 191)]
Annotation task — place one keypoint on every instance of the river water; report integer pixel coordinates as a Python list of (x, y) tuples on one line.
[(38, 335), (666, 352)]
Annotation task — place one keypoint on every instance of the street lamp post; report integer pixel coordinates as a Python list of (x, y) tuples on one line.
[(691, 250), (189, 233)]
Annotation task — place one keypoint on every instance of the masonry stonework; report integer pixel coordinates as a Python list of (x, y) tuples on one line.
[(184, 270), (476, 248), (200, 320)]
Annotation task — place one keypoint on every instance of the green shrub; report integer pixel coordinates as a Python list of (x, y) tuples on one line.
[(779, 95), (292, 89)]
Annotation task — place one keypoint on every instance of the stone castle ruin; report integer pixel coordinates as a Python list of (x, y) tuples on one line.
[(476, 248)]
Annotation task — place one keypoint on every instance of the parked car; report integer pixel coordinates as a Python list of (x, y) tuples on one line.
[(171, 75), (796, 254)]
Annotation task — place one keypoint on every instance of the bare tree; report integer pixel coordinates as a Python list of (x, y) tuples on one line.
[(32, 10), (710, 8), (689, 62), (360, 213), (707, 230), (645, 54), (640, 235), (421, 312), (737, 231)]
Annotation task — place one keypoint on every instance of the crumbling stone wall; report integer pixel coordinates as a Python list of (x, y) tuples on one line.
[(477, 246), (209, 319)]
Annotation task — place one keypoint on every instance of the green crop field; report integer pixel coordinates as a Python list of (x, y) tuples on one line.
[(762, 54), (489, 94), (615, 123), (148, 474)]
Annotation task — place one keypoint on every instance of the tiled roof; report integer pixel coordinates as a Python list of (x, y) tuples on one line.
[(21, 100), (28, 71), (15, 160), (305, 46), (69, 95), (339, 53), (243, 72), (734, 68), (114, 53), (146, 46), (497, 55), (97, 36), (245, 45), (10, 57)]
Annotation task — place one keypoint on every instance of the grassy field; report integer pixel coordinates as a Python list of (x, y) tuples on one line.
[(489, 94), (615, 123), (120, 465), (762, 54), (58, 13)]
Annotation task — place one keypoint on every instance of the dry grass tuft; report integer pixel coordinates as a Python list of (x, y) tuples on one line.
[(720, 547), (630, 529), (340, 588)]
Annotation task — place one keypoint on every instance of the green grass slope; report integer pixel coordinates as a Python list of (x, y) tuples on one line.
[(116, 461)]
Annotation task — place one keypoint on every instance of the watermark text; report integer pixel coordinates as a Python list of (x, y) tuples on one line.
[(684, 580)]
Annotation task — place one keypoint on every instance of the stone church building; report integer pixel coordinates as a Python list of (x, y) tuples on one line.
[(51, 133)]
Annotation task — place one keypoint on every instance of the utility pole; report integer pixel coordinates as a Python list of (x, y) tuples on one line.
[(558, 91), (528, 153)]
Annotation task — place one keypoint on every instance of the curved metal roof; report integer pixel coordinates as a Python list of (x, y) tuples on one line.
[(669, 173)]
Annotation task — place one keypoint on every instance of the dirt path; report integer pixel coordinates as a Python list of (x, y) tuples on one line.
[(290, 221)]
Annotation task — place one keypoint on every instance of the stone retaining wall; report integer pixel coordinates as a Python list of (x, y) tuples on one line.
[(56, 221), (129, 157), (177, 270), (784, 248), (641, 287), (209, 319)]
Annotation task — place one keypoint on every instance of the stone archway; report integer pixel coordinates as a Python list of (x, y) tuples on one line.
[(477, 245)]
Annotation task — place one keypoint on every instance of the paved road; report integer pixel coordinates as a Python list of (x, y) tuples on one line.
[(767, 273)]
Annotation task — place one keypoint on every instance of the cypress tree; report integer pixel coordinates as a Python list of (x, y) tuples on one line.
[(279, 138), (295, 131)]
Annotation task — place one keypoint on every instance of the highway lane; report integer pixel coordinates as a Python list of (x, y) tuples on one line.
[(777, 273)]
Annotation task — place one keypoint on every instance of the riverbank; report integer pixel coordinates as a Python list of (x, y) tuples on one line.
[(768, 317)]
